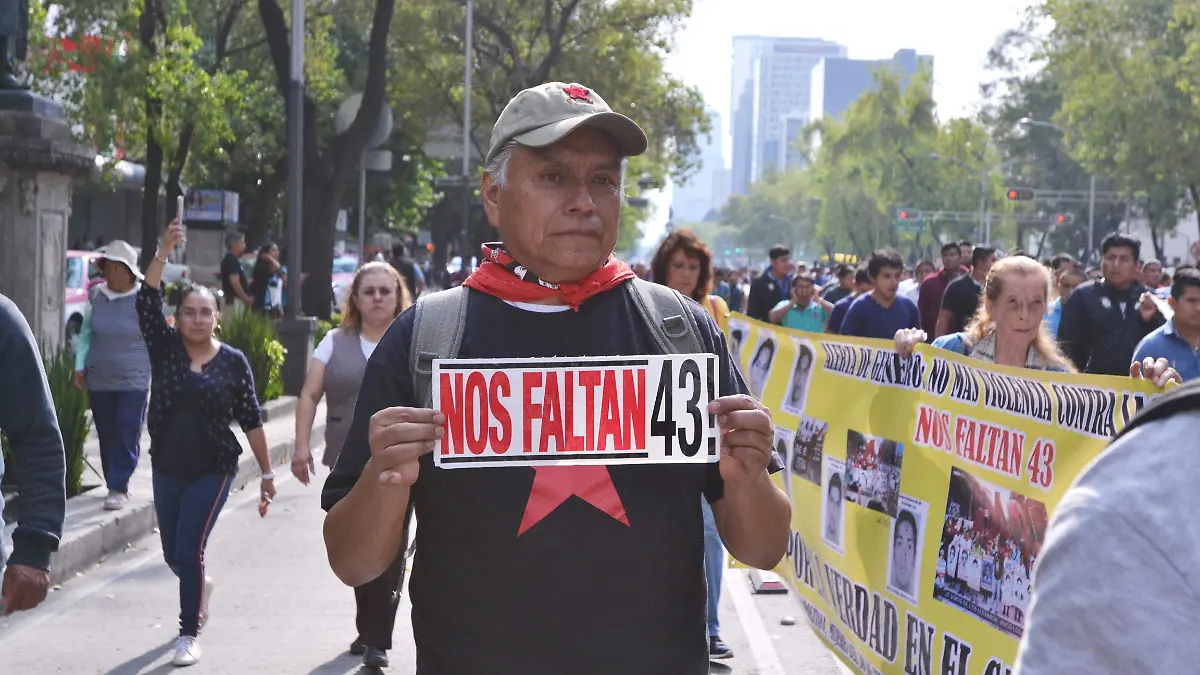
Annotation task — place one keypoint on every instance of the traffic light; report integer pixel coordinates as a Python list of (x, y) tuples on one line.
[(1020, 194), (737, 250), (908, 214), (429, 247), (1064, 218)]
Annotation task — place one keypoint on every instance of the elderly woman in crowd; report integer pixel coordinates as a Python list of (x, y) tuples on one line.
[(112, 363), (1009, 328)]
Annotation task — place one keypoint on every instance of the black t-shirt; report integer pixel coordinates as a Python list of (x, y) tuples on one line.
[(961, 300), (836, 293), (578, 592), (231, 266), (407, 269)]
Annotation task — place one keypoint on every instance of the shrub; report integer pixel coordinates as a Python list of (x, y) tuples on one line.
[(254, 334), (323, 327), (71, 404)]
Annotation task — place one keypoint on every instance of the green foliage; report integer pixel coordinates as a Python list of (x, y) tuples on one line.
[(324, 326), (71, 405), (254, 334)]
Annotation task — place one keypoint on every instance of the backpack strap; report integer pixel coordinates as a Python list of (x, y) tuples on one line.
[(441, 320), (1180, 400), (666, 314)]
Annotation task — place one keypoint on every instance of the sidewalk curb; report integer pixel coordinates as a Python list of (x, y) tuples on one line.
[(113, 530)]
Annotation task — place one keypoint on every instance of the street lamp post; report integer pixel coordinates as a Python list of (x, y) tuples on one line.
[(466, 159), (1027, 122), (295, 332)]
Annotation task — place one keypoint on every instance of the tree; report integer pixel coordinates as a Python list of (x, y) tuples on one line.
[(616, 47), (1125, 72), (328, 167)]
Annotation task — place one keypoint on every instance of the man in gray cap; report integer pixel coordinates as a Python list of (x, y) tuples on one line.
[(550, 569)]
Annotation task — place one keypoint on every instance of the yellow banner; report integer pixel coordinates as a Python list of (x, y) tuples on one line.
[(921, 489)]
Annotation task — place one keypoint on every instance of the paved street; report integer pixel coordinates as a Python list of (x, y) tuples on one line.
[(278, 609)]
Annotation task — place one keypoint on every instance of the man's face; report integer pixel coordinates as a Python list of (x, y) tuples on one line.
[(1187, 309), (1119, 266), (802, 291), (847, 281), (558, 215), (781, 266), (965, 251), (238, 247), (923, 270), (1152, 275), (984, 266), (906, 551), (951, 259), (887, 281)]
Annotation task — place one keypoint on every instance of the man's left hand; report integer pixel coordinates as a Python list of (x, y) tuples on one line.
[(24, 588), (747, 437), (1148, 307)]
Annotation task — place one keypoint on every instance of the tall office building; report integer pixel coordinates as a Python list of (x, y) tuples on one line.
[(838, 81), (771, 83), (704, 191)]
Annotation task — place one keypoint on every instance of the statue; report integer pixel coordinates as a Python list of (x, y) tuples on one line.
[(14, 41)]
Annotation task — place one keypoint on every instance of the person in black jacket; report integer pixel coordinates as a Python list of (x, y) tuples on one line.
[(772, 286), (1103, 320), (27, 417)]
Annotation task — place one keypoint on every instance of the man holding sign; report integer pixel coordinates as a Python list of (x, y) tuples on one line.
[(557, 476)]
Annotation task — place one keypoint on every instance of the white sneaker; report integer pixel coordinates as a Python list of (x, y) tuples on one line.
[(115, 501), (204, 596), (187, 651)]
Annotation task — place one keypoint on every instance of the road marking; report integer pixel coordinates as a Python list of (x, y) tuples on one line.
[(73, 595), (762, 648)]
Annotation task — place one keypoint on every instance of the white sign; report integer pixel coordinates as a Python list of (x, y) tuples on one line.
[(573, 411)]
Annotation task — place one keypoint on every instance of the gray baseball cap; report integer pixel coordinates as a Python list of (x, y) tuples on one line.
[(545, 114)]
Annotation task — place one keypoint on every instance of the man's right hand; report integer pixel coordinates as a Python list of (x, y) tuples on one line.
[(23, 588), (398, 438)]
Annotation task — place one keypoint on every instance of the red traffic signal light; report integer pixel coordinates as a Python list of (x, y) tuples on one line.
[(1020, 194), (1060, 219), (908, 214), (1064, 218)]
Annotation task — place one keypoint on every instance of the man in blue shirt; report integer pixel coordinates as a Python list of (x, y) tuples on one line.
[(862, 286), (881, 313), (1178, 340)]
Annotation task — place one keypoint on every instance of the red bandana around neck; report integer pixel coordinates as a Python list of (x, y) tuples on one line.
[(502, 277)]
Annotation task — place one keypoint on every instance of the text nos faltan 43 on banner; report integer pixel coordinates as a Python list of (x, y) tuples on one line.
[(921, 489)]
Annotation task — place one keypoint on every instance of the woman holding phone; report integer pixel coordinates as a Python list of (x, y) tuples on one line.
[(198, 386)]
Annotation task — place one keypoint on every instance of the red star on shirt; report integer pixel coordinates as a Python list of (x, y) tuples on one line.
[(577, 93), (553, 485)]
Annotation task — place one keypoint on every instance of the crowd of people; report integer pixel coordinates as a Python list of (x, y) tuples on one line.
[(495, 587)]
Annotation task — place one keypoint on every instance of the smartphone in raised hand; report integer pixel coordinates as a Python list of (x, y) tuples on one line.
[(179, 217)]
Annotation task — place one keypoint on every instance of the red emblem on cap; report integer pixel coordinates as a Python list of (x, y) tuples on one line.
[(577, 93)]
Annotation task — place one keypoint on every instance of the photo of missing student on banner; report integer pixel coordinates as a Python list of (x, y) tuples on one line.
[(808, 448), (833, 509), (800, 377), (760, 365), (991, 538), (872, 476), (738, 330), (783, 440), (904, 549)]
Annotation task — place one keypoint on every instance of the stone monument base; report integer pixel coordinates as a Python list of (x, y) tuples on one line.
[(39, 159)]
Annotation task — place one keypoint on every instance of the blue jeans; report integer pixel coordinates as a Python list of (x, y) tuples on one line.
[(187, 511), (714, 565), (118, 416)]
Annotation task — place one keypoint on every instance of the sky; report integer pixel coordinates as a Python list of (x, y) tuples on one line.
[(957, 33)]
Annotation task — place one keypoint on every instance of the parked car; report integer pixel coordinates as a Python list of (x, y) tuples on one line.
[(344, 267), (81, 275)]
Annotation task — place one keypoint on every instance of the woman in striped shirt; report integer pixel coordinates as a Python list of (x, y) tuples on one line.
[(112, 362)]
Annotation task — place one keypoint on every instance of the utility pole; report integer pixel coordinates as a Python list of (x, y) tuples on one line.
[(466, 159)]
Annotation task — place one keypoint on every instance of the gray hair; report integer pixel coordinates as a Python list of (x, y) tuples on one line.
[(497, 167)]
